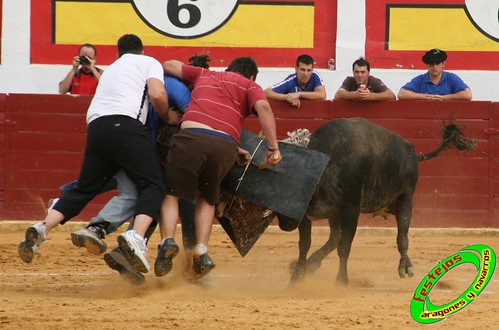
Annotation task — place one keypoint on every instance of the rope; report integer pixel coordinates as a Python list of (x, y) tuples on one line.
[(247, 165)]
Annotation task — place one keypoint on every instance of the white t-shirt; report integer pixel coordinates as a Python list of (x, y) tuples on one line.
[(121, 87)]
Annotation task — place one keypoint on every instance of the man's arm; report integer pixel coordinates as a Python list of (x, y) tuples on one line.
[(462, 95), (383, 96), (294, 101), (405, 94), (267, 123), (158, 97), (319, 93), (94, 70), (274, 95), (173, 68), (65, 84), (343, 94), (364, 94)]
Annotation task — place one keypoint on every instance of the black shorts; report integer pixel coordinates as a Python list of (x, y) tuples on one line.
[(198, 162)]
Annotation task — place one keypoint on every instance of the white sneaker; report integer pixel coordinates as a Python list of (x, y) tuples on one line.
[(33, 239), (135, 247)]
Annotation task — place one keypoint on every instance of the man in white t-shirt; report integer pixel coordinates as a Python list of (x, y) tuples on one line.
[(117, 138)]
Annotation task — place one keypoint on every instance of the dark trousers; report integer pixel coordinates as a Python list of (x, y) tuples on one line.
[(115, 142), (111, 185)]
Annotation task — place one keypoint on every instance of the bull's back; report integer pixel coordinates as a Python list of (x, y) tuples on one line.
[(369, 165)]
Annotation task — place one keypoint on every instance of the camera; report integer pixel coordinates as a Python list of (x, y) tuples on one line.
[(84, 60)]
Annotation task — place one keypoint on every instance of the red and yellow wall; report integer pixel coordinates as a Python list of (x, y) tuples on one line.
[(274, 32)]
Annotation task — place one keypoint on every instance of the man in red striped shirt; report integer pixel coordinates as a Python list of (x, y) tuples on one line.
[(206, 148)]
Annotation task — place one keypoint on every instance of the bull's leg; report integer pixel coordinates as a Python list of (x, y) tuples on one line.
[(403, 214), (305, 240), (349, 220), (315, 260)]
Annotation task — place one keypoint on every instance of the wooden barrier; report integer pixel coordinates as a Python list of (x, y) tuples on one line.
[(42, 138)]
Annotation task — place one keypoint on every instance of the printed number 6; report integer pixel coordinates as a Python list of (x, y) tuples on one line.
[(185, 19), (173, 11)]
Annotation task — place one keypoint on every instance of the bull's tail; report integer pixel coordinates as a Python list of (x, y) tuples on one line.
[(452, 137)]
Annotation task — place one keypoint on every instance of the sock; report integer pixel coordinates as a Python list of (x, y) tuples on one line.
[(137, 236), (168, 239), (200, 249)]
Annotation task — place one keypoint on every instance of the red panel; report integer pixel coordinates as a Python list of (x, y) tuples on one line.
[(33, 122), (36, 160), (308, 109), (434, 110), (453, 167), (44, 150), (41, 179), (48, 104), (494, 216), (452, 201), (432, 218), (440, 185), (33, 141)]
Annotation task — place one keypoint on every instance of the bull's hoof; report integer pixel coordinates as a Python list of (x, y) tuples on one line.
[(341, 281), (403, 271), (313, 265), (297, 277), (405, 268), (298, 273)]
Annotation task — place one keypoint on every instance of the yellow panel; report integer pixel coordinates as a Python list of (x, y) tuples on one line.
[(250, 26), (426, 28)]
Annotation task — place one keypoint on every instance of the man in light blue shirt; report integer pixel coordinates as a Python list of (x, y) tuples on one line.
[(436, 84)]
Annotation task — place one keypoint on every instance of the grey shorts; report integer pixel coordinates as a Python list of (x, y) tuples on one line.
[(198, 162)]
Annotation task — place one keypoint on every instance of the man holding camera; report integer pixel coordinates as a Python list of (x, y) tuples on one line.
[(84, 75)]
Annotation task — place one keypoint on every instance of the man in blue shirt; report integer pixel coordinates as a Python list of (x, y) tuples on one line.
[(305, 83), (436, 84)]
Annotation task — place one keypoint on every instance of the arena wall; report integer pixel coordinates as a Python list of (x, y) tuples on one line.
[(42, 138)]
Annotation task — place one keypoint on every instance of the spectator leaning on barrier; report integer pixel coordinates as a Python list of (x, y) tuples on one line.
[(305, 83), (363, 86), (84, 75), (436, 84)]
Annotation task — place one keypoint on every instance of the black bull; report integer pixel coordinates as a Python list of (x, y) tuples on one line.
[(371, 170)]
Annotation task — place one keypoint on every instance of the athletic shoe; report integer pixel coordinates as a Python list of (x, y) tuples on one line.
[(167, 250), (33, 239), (136, 249), (117, 259), (202, 265), (91, 238), (51, 204)]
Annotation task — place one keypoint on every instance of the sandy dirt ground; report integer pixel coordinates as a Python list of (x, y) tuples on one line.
[(68, 288)]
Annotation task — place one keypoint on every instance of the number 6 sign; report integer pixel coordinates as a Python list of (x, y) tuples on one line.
[(185, 19)]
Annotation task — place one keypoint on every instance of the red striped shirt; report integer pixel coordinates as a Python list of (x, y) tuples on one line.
[(220, 100)]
